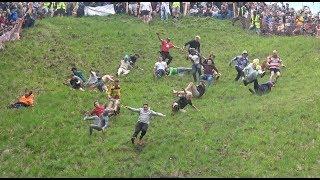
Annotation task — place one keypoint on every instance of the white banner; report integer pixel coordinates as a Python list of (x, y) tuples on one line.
[(99, 10)]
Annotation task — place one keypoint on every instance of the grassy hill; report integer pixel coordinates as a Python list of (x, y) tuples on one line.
[(235, 134)]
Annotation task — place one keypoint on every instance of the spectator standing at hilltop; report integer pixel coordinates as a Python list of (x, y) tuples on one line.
[(145, 11)]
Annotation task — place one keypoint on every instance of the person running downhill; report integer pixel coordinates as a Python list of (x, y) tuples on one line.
[(166, 45), (195, 59), (195, 43), (275, 64), (252, 72), (240, 63), (142, 125)]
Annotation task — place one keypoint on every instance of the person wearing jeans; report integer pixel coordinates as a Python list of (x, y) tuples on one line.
[(196, 64), (142, 125), (240, 63), (100, 122)]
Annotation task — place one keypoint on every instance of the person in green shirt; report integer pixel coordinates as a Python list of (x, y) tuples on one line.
[(78, 73), (170, 71)]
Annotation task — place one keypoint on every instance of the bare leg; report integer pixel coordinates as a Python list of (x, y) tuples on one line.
[(191, 88)]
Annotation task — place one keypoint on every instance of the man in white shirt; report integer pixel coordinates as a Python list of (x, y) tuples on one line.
[(145, 11), (160, 68), (195, 58)]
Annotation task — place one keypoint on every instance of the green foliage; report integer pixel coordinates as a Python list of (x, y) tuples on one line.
[(235, 134)]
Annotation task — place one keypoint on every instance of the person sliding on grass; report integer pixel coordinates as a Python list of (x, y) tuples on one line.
[(196, 90), (26, 100), (124, 67), (93, 79), (159, 68), (114, 97), (210, 70), (171, 71), (252, 72), (132, 59), (100, 122), (182, 102), (240, 63), (97, 111), (145, 114), (261, 89), (75, 82), (275, 64), (166, 45), (78, 73)]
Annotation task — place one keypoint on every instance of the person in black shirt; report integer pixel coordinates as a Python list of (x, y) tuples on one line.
[(182, 102), (261, 89), (194, 44), (133, 59)]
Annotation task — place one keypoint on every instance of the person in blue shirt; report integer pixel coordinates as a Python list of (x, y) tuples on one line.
[(240, 63)]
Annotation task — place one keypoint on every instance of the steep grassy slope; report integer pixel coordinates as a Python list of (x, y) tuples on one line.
[(235, 134)]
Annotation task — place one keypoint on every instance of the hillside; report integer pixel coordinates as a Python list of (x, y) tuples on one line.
[(235, 134)]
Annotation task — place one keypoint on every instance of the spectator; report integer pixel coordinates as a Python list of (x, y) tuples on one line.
[(145, 11), (164, 10)]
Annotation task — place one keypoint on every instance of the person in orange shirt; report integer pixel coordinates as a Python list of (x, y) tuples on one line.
[(24, 101)]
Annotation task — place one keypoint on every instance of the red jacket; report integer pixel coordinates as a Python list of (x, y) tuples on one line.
[(98, 110)]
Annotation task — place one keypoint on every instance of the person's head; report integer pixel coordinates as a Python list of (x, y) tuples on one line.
[(212, 56), (197, 38), (175, 107), (160, 59), (274, 53), (96, 104), (209, 62), (73, 69), (145, 106), (255, 62), (245, 53), (28, 93)]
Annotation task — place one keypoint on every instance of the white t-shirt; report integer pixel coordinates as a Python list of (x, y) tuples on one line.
[(145, 6), (160, 65), (195, 58)]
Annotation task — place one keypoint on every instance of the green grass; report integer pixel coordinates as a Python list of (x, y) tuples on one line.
[(234, 135)]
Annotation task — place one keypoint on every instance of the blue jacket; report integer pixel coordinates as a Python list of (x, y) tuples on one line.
[(241, 62)]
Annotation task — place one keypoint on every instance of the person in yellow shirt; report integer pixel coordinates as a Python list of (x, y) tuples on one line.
[(24, 101), (114, 96)]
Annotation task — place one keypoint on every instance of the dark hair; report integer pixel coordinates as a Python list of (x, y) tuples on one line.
[(73, 69), (145, 104), (175, 108)]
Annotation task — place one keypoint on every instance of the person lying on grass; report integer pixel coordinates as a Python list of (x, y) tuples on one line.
[(132, 59), (78, 73), (145, 114), (182, 102), (27, 100), (196, 90), (261, 89), (252, 72), (93, 79), (75, 82), (171, 71), (160, 68), (114, 96), (100, 122)]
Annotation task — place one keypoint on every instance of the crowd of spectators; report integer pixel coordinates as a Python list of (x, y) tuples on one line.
[(263, 18)]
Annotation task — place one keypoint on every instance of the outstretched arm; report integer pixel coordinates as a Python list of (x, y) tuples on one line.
[(195, 107), (159, 36), (153, 113), (132, 109)]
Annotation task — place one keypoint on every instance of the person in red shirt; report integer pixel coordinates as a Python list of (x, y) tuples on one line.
[(166, 45), (97, 111)]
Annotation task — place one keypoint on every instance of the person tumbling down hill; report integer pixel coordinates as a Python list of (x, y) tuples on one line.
[(100, 121), (252, 72), (159, 68), (114, 96), (75, 82), (182, 102), (78, 73), (261, 89), (171, 71), (142, 125), (27, 100), (93, 79), (196, 90), (124, 67), (132, 59)]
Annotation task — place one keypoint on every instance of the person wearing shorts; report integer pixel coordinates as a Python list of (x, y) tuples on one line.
[(143, 122), (275, 63), (182, 102), (196, 90)]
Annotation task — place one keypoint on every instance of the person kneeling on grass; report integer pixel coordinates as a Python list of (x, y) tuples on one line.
[(26, 100), (182, 102), (261, 89), (145, 114), (100, 122), (196, 90), (252, 72), (170, 71), (160, 68), (114, 96)]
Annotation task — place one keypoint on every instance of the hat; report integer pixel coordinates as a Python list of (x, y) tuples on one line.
[(255, 61), (245, 52)]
